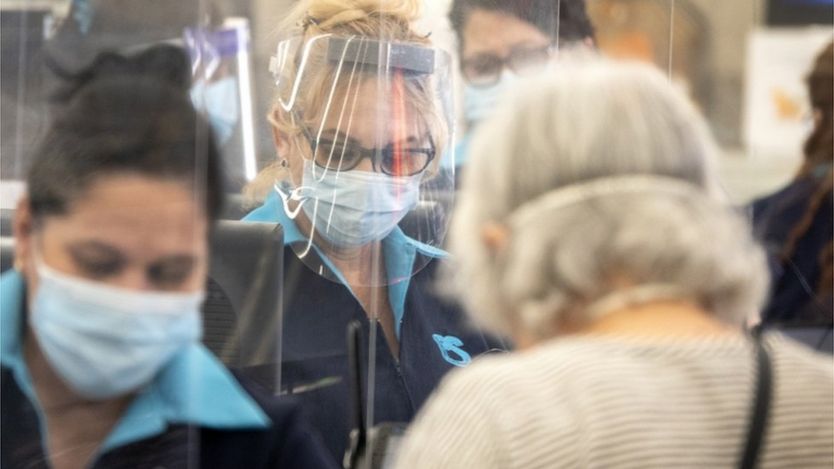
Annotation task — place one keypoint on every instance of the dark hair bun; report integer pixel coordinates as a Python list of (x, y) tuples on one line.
[(166, 64), (125, 114)]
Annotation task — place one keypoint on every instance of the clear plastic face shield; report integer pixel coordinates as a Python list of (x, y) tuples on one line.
[(363, 126)]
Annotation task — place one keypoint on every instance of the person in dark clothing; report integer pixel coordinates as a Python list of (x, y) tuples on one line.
[(101, 359), (796, 223)]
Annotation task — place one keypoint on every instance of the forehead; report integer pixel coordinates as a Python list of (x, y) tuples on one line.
[(496, 32), (373, 109), (135, 213)]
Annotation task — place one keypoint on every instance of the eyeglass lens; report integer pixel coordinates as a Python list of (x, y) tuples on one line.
[(485, 69), (391, 160)]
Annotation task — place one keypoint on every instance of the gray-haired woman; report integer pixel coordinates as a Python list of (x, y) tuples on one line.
[(591, 230)]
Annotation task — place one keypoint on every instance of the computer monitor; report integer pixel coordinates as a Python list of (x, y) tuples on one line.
[(242, 312)]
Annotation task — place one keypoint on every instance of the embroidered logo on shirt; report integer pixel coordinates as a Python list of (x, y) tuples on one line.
[(450, 349)]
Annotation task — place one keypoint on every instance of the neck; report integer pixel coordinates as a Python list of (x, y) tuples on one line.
[(75, 427), (673, 318), (364, 269), (53, 394), (658, 319)]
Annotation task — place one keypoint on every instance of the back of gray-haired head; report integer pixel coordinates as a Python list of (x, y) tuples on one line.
[(591, 120), (588, 118)]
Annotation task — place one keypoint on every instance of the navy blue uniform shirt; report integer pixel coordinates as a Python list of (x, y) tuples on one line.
[(434, 335), (194, 414), (793, 299)]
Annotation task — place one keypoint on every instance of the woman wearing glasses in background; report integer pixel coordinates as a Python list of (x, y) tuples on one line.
[(500, 40), (361, 119)]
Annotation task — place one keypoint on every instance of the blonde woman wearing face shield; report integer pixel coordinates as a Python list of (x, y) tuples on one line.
[(361, 121), (589, 229)]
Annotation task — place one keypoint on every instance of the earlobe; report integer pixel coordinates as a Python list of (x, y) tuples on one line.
[(289, 157), (281, 142)]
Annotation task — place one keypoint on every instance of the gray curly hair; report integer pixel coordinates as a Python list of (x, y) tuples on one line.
[(600, 172)]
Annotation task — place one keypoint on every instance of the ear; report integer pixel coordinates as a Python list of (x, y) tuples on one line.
[(23, 231), (281, 142), (495, 236), (287, 150)]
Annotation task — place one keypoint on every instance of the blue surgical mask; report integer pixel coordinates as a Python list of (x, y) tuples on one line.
[(219, 101), (480, 101), (105, 341), (354, 208)]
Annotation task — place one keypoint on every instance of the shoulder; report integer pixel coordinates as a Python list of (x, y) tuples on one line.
[(504, 383), (458, 427), (490, 414), (268, 211), (284, 412), (278, 410), (798, 360), (803, 383), (289, 442), (785, 202)]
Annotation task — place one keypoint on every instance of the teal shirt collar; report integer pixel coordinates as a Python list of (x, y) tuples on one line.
[(399, 251), (193, 387)]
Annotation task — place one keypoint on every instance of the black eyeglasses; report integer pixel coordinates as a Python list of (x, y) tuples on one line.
[(393, 160), (485, 69)]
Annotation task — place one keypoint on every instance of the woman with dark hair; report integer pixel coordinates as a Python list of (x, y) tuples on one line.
[(101, 358), (796, 223), (500, 40)]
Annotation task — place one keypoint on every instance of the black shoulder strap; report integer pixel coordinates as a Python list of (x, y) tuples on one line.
[(761, 406)]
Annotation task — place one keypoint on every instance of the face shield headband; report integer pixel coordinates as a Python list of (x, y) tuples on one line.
[(413, 60)]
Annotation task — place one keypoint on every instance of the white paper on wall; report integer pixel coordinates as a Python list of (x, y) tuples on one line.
[(777, 115)]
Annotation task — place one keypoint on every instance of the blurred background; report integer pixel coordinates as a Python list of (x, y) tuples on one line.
[(742, 61)]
